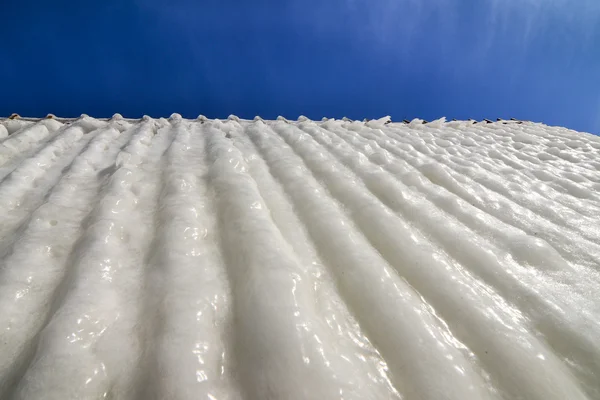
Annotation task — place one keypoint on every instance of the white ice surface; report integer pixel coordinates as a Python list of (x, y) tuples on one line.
[(234, 259)]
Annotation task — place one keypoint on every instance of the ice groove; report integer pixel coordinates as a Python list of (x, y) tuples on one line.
[(496, 185), (236, 259), (89, 316), (189, 298), (27, 293), (331, 308), (392, 237), (498, 205), (358, 266), (534, 297)]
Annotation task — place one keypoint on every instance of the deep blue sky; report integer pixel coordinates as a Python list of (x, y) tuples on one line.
[(529, 59)]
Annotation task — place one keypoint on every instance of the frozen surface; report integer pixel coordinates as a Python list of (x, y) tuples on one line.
[(207, 259)]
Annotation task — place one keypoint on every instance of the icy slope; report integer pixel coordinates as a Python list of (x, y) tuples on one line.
[(207, 259)]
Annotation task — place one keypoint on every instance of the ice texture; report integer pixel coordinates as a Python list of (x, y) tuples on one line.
[(333, 259)]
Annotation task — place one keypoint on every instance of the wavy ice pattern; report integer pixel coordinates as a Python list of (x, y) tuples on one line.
[(335, 259)]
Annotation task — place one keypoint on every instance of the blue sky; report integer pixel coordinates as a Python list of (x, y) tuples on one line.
[(528, 59)]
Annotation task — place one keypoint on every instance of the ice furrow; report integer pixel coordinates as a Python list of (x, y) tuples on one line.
[(568, 206), (510, 193), (543, 300), (526, 249), (26, 290), (234, 259), (507, 152), (555, 184), (19, 146), (188, 295), (262, 266), (25, 135), (26, 187), (402, 199), (540, 146), (503, 337), (359, 368), (12, 126), (102, 298), (380, 300), (572, 249)]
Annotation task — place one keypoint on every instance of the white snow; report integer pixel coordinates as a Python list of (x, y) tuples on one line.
[(236, 259)]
